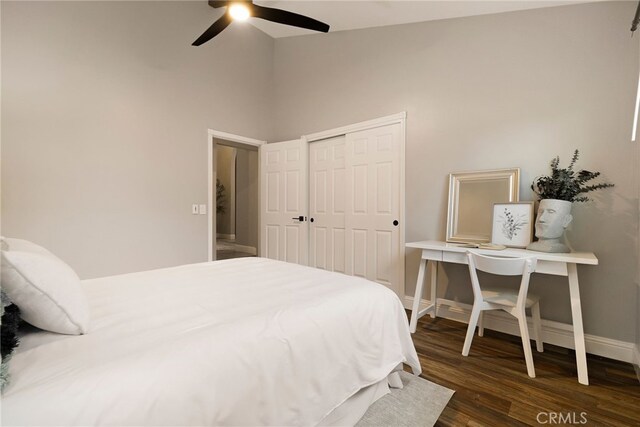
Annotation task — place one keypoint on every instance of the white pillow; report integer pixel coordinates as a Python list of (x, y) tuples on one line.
[(47, 291)]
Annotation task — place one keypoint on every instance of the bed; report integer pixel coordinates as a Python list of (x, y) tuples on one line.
[(246, 341)]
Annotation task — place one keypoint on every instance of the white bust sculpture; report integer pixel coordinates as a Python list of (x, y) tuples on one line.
[(553, 218)]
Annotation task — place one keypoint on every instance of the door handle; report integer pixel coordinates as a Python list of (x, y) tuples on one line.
[(299, 218)]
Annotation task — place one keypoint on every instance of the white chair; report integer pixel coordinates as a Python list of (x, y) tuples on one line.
[(513, 301)]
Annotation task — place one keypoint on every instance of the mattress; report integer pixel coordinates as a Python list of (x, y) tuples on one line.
[(246, 341)]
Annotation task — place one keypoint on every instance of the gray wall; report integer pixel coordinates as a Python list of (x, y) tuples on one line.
[(495, 91), (105, 108), (247, 198), (105, 111)]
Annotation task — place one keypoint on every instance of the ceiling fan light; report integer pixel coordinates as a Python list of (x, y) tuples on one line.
[(239, 12)]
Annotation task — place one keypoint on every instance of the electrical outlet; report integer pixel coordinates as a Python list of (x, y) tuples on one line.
[(194, 209), (203, 209)]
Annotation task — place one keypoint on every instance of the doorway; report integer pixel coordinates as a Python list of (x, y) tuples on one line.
[(236, 200), (233, 196)]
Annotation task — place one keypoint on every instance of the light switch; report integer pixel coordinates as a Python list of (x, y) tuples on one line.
[(203, 209), (194, 209)]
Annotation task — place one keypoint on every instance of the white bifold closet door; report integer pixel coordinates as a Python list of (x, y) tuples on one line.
[(354, 201), (327, 204), (283, 204)]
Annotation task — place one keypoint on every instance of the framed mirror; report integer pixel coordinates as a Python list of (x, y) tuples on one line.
[(471, 199)]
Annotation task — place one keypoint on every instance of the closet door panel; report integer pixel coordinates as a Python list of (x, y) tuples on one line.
[(359, 252), (339, 250), (327, 203), (283, 198), (373, 204), (384, 257), (359, 181), (293, 249), (384, 191), (338, 191), (354, 200), (319, 241), (271, 242)]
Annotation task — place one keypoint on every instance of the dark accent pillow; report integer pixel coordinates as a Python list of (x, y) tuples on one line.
[(9, 323)]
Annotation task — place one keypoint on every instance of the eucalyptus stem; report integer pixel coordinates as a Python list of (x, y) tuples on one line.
[(565, 183)]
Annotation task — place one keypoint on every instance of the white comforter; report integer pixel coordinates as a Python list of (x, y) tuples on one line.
[(240, 342)]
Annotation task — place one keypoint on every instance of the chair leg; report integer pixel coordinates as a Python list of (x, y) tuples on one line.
[(481, 324), (526, 344), (473, 321), (537, 326)]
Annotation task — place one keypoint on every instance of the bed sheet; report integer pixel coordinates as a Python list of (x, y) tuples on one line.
[(247, 341)]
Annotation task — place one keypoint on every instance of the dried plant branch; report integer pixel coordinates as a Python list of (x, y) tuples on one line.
[(565, 183)]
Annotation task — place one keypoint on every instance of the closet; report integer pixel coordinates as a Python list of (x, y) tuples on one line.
[(336, 203)]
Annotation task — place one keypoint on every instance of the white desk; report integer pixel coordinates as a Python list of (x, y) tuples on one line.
[(435, 252)]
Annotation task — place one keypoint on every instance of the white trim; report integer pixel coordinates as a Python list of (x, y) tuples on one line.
[(634, 129), (260, 219), (211, 217), (304, 142), (403, 190), (369, 124), (636, 360), (556, 333), (235, 138)]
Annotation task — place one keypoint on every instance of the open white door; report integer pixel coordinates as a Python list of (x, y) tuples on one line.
[(283, 201)]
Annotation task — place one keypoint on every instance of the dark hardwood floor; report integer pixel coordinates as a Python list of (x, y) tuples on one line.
[(492, 387)]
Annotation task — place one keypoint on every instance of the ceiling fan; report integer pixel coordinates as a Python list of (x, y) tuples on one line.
[(240, 10)]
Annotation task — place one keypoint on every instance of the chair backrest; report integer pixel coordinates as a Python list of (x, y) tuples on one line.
[(503, 267)]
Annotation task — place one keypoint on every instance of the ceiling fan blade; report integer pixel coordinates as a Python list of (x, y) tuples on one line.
[(215, 29), (288, 18), (218, 3)]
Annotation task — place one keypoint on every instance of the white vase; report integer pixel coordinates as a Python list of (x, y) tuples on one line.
[(553, 218)]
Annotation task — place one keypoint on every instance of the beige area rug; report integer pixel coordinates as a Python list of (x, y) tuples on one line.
[(418, 404)]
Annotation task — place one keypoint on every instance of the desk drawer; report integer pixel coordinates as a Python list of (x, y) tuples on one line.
[(432, 254), (550, 267), (455, 257)]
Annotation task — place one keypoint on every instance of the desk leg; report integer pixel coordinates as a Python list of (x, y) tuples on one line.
[(433, 282), (418, 296), (578, 331)]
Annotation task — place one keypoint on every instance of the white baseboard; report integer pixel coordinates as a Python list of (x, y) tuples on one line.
[(556, 333), (636, 362), (225, 236)]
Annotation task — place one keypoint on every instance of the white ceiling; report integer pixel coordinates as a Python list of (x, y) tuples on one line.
[(350, 15)]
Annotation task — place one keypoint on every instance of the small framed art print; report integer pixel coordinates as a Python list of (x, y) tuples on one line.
[(512, 224)]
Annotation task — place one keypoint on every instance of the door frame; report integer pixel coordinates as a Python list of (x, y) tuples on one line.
[(399, 118), (212, 135)]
